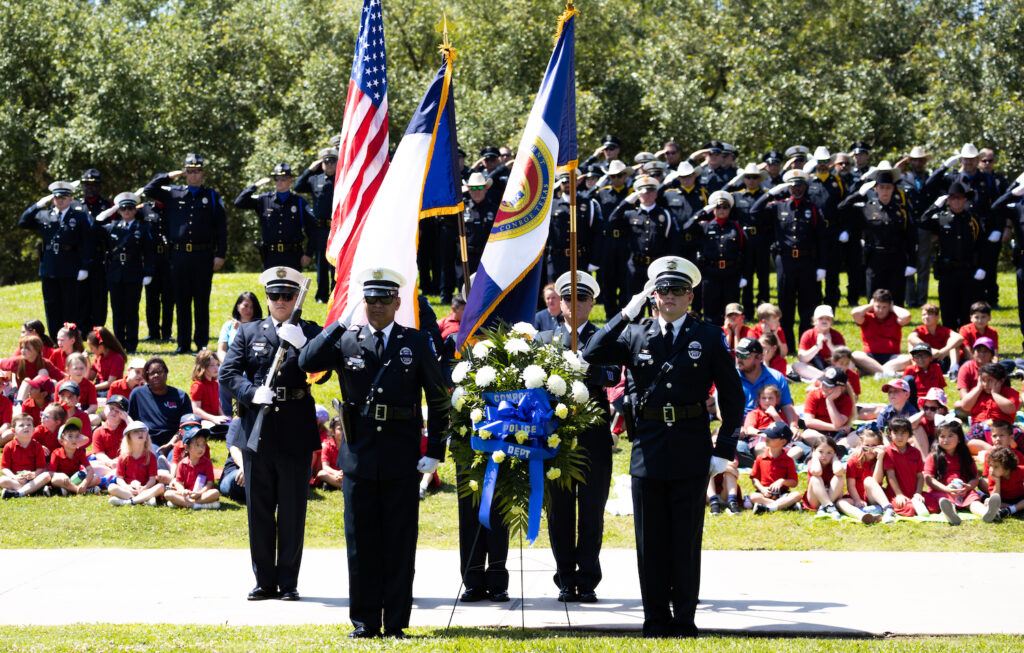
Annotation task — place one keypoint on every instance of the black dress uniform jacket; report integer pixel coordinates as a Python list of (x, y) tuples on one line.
[(67, 244), (282, 225), (197, 219), (130, 251)]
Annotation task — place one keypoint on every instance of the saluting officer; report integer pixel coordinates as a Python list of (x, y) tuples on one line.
[(283, 218), (478, 214), (684, 197), (672, 362), (723, 256), (318, 180), (890, 235), (799, 245), (1009, 207), (826, 190), (649, 228), (93, 297), (197, 234), (576, 515), (557, 249), (65, 254), (861, 152), (159, 291), (130, 251), (758, 260), (960, 232), (277, 471), (614, 249), (384, 368)]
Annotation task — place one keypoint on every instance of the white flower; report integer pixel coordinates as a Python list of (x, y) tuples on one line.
[(460, 372), (484, 434), (554, 441), (476, 415), (556, 385), (525, 329), (534, 376), (485, 376), (572, 360), (460, 404), (498, 456), (473, 485), (481, 348), (580, 394), (553, 473), (459, 398), (517, 346), (561, 411)]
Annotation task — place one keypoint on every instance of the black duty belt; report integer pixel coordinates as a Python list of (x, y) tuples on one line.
[(383, 413), (670, 414), (795, 252), (641, 260), (613, 233), (192, 247), (291, 248), (282, 393), (723, 264)]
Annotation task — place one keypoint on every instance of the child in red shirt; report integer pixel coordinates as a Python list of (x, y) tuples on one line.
[(68, 398), (816, 344), (950, 473), (188, 424), (825, 480), (881, 331), (205, 392), (768, 319), (78, 368), (22, 463), (330, 475), (107, 438), (932, 405), (925, 371), (40, 393), (774, 473), (864, 474), (133, 379), (827, 409), (944, 342), (1007, 482), (990, 399), (770, 345), (758, 420), (193, 485), (67, 460), (904, 471), (109, 358), (981, 314), (136, 469), (48, 433), (1002, 435), (69, 341), (734, 329)]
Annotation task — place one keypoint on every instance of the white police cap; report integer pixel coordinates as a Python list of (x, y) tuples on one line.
[(796, 149), (645, 182), (61, 188), (795, 176), (671, 270), (281, 278), (585, 284), (720, 196), (380, 282), (127, 199)]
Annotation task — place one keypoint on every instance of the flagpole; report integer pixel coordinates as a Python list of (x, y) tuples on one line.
[(572, 255)]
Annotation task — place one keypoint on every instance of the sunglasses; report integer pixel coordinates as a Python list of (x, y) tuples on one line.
[(987, 160), (387, 301), (842, 163), (671, 151), (930, 409), (281, 296), (678, 291), (743, 357), (579, 298), (477, 187)]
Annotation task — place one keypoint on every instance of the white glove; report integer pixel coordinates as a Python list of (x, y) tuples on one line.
[(591, 267), (953, 369), (1018, 191), (940, 201), (909, 271), (632, 198), (147, 280), (263, 395), (844, 237), (811, 164), (106, 213), (43, 201), (1020, 179), (736, 181), (994, 237), (819, 274), (427, 465), (743, 283), (863, 190), (615, 440), (83, 275), (979, 275), (718, 465), (870, 174), (709, 209), (951, 161), (292, 334), (775, 191), (636, 304)]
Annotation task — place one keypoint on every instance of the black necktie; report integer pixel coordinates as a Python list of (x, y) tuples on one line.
[(380, 344), (669, 335)]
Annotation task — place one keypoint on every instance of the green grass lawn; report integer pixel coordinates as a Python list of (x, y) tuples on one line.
[(90, 522)]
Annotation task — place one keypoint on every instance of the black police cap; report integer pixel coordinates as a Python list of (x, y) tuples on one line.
[(612, 140), (489, 151), (193, 160), (92, 175), (860, 146), (772, 156), (957, 188)]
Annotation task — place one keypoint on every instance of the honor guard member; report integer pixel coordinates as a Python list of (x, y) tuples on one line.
[(649, 228), (861, 152), (197, 235), (557, 248), (64, 256), (1009, 207), (826, 190), (799, 246), (601, 159), (772, 161), (130, 251), (713, 176), (915, 181), (318, 180), (796, 158), (672, 363), (159, 291), (723, 256), (758, 261), (576, 515), (613, 264), (890, 235), (478, 214), (283, 218), (384, 369), (958, 267), (729, 154), (277, 471), (490, 165), (93, 291)]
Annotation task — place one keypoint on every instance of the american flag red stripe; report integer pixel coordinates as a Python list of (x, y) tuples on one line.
[(362, 151)]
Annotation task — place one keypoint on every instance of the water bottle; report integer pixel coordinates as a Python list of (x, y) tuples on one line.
[(78, 477), (200, 483)]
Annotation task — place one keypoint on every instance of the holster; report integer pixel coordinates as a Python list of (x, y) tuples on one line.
[(628, 416), (346, 423)]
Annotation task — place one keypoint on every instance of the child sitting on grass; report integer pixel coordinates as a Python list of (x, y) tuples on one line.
[(329, 475), (769, 318), (22, 463), (824, 480), (107, 438), (904, 471), (751, 442), (109, 358), (1001, 433), (47, 433), (136, 469), (204, 391), (950, 474), (932, 405), (899, 405), (774, 473), (193, 485), (772, 356), (70, 470), (1006, 480), (864, 475), (991, 398), (981, 315), (78, 367)]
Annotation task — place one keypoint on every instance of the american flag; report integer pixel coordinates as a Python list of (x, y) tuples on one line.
[(362, 150)]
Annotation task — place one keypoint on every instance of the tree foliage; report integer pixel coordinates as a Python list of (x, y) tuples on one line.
[(130, 86)]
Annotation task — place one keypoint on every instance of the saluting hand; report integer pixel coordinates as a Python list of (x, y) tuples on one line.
[(261, 181), (313, 167), (175, 173)]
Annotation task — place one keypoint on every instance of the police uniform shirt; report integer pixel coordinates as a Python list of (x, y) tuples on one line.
[(129, 251), (958, 236), (887, 228), (723, 243), (67, 239), (650, 229), (321, 187), (194, 216), (479, 218), (283, 218)]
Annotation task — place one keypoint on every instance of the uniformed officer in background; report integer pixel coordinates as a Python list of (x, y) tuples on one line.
[(159, 291), (93, 291), (601, 159), (648, 227), (478, 214), (384, 369), (614, 249), (758, 260), (65, 252), (197, 234), (826, 190), (915, 180), (576, 515), (861, 152), (283, 218), (130, 250), (723, 256), (672, 362), (958, 262), (277, 471), (318, 180), (1010, 208), (557, 248)]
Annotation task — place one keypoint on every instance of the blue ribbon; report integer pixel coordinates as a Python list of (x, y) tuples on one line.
[(508, 413)]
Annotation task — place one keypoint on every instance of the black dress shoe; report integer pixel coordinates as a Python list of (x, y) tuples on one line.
[(395, 633), (588, 597), (290, 595), (183, 350), (566, 595), (499, 597), (361, 632), (472, 595), (260, 594)]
